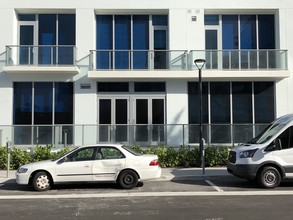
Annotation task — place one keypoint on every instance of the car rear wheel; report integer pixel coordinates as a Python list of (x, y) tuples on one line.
[(269, 177), (128, 179), (41, 181)]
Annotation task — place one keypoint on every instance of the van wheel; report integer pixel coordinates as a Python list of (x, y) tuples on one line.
[(128, 179), (269, 177), (41, 181)]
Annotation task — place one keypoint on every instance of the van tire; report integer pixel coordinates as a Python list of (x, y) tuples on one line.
[(269, 177)]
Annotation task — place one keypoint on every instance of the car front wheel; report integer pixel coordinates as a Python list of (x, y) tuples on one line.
[(41, 181), (128, 179), (269, 177)]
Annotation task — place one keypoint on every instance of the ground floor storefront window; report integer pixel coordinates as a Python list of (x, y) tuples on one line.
[(233, 112), (38, 107)]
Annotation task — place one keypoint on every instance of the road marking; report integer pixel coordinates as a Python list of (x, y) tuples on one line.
[(150, 194), (214, 186)]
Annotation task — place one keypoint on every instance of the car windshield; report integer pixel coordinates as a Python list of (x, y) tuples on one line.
[(266, 134), (131, 151)]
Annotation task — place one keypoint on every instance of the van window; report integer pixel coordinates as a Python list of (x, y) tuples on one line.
[(286, 138)]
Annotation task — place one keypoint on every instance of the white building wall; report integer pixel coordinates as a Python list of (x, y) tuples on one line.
[(184, 34)]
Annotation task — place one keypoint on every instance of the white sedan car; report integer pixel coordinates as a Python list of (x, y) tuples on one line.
[(94, 163)]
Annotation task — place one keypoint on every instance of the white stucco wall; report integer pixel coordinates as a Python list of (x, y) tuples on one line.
[(184, 34)]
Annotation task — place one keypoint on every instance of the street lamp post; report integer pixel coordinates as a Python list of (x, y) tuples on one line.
[(200, 64)]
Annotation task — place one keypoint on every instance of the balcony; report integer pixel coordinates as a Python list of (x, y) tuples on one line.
[(41, 59), (179, 63)]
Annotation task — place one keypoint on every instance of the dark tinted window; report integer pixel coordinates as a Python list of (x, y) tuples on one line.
[(149, 87), (113, 87)]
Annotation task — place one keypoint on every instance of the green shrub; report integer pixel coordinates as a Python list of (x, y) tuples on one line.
[(216, 156), (184, 156), (3, 158), (18, 158), (42, 153)]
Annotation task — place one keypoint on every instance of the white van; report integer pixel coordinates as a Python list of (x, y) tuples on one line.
[(267, 158)]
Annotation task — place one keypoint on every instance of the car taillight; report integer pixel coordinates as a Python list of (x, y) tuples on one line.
[(154, 162)]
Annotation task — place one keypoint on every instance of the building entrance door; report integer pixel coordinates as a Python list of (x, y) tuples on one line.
[(149, 119), (113, 119)]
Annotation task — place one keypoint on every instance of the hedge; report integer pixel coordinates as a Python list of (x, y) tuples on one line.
[(169, 156)]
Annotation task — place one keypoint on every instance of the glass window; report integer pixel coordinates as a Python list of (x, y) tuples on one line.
[(111, 153), (140, 41), (104, 41), (122, 41), (47, 36), (211, 19), (220, 102), (66, 29), (66, 36), (47, 29), (248, 31), (22, 103), (266, 33), (242, 102), (230, 32), (264, 102), (105, 111), (43, 103), (82, 155), (113, 86), (149, 87), (26, 17), (63, 103), (193, 102), (160, 20)]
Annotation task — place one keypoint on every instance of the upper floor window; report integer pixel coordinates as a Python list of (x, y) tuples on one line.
[(46, 39), (131, 41), (242, 31)]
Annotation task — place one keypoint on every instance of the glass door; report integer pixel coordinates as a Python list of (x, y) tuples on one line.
[(149, 119), (27, 40), (212, 46), (113, 118), (160, 57)]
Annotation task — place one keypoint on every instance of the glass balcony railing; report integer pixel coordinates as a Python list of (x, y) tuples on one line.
[(242, 59), (45, 55), (183, 60), (142, 134), (138, 60)]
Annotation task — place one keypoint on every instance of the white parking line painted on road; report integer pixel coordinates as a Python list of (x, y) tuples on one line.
[(149, 194), (214, 186)]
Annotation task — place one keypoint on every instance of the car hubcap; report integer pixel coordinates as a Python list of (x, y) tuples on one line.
[(43, 182), (128, 179), (270, 178)]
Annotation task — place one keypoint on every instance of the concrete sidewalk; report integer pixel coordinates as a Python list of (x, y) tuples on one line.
[(167, 174)]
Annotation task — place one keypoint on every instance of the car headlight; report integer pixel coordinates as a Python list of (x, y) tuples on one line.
[(247, 153), (22, 170)]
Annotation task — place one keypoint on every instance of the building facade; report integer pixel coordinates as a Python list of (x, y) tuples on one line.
[(81, 72)]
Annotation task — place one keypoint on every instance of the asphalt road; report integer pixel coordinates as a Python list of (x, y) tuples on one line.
[(144, 208), (217, 198)]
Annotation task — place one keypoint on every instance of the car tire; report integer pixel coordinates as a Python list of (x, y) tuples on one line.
[(128, 179), (269, 177), (41, 181)]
